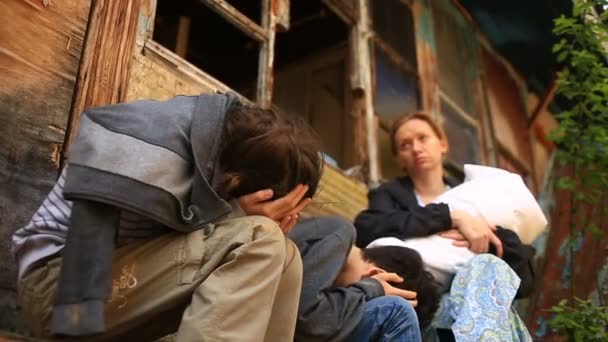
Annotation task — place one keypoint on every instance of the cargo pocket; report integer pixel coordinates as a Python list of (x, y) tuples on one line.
[(191, 253)]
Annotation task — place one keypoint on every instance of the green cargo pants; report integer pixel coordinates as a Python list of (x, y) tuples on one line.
[(237, 280)]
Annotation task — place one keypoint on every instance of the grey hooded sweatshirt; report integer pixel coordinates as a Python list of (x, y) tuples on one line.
[(327, 312)]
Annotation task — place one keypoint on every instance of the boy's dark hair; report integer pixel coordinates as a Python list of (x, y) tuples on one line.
[(407, 263), (264, 150)]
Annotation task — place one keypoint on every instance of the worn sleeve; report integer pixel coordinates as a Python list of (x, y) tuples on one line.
[(329, 313), (519, 257), (384, 218), (86, 270)]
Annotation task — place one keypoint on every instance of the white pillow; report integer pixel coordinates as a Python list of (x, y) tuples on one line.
[(500, 197)]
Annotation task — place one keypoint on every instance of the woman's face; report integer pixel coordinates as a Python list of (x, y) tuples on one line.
[(419, 149)]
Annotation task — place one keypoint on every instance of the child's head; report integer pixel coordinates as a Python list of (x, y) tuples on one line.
[(264, 150), (407, 263)]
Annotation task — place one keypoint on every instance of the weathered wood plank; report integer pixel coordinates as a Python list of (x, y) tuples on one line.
[(338, 195), (40, 48), (507, 110), (104, 69), (160, 74)]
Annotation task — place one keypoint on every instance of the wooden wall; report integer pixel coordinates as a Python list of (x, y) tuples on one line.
[(40, 47)]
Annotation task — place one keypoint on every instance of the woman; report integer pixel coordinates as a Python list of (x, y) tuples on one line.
[(402, 208)]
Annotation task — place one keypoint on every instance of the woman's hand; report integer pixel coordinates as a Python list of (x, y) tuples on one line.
[(454, 234), (284, 210), (477, 231), (386, 278)]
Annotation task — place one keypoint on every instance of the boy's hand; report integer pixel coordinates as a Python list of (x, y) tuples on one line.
[(288, 222), (386, 278), (284, 210)]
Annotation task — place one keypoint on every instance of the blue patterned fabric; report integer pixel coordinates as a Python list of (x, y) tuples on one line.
[(478, 307)]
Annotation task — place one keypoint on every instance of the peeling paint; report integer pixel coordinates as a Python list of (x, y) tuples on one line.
[(56, 129), (543, 327), (566, 252), (55, 155), (424, 23), (142, 24)]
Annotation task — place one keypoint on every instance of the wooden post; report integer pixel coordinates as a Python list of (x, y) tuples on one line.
[(270, 8), (103, 73), (183, 34), (362, 81), (427, 60)]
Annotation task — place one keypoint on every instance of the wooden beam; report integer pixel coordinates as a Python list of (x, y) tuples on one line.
[(343, 9), (544, 103), (270, 8), (241, 21), (394, 56), (103, 73), (161, 55)]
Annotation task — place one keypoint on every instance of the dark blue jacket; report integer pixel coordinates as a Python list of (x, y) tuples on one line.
[(394, 211), (326, 312)]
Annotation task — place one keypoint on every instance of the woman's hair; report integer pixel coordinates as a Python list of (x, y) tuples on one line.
[(264, 150), (435, 126), (407, 263)]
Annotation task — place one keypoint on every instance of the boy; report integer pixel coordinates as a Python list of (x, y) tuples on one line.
[(344, 297), (145, 231), (408, 265)]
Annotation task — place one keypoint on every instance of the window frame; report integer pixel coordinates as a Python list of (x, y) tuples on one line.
[(275, 13), (474, 121), (377, 42)]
